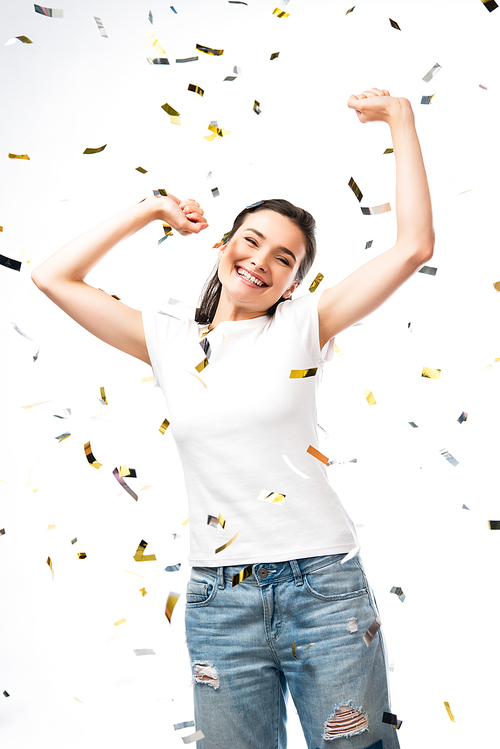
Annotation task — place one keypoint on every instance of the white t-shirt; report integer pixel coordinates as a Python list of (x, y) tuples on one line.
[(242, 426)]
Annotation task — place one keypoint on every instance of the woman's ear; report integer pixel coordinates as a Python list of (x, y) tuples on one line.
[(220, 251), (288, 293)]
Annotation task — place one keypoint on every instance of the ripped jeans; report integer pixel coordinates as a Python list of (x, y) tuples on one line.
[(295, 626)]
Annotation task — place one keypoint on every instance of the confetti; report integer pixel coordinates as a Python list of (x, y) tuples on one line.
[(81, 555), (426, 99), (428, 270), (51, 527), (209, 50), (338, 352), (22, 38), (274, 498), (221, 548), (141, 170), (316, 282), (201, 366), (2, 531), (120, 621), (490, 5), (372, 631), (368, 244), (123, 483), (173, 567), (237, 70), (494, 525), (280, 13), (392, 720), (399, 593), (432, 374), (5, 693), (432, 72), (205, 344), (144, 651), (186, 521), (463, 417), (187, 59), (274, 55), (376, 209), (63, 436), (100, 26), (292, 467), (19, 156), (394, 24), (236, 2), (300, 373), (447, 704), (95, 150), (186, 724), (156, 44), (388, 150), (170, 110), (293, 651), (88, 452), (217, 132), (18, 330), (49, 562), (51, 12), (485, 88), (158, 60), (139, 555), (143, 591), (230, 78), (256, 107), (198, 378), (316, 454), (194, 737), (449, 457), (215, 192), (352, 625), (196, 89), (103, 397), (172, 8), (412, 424), (214, 522), (241, 575), (150, 17), (355, 189), (170, 605), (350, 10), (74, 540), (164, 426), (370, 397)]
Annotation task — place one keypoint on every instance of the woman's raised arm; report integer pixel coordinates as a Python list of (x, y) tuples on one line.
[(370, 285), (61, 277)]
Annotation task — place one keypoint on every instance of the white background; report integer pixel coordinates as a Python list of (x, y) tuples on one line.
[(72, 675)]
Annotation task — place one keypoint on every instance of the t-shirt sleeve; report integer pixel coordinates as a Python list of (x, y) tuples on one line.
[(302, 313), (154, 333)]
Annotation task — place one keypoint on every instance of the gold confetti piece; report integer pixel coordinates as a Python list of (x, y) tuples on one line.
[(19, 156), (201, 366), (196, 89), (487, 368), (432, 72), (164, 426), (24, 39), (1, 228), (76, 698), (198, 378), (100, 26), (51, 12), (144, 651), (241, 575), (123, 471), (274, 498), (103, 397), (145, 488), (95, 150), (139, 555), (143, 591), (186, 724), (74, 540), (124, 484), (274, 55), (394, 24), (14, 265), (485, 88), (170, 110), (90, 457), (256, 107), (494, 525), (309, 646), (51, 527), (376, 209), (141, 170), (215, 521), (280, 13), (337, 350), (388, 150), (490, 5), (447, 704), (293, 651), (428, 270), (372, 631), (81, 555), (316, 454), (433, 374), (370, 397), (156, 44), (148, 379), (497, 285), (120, 621), (426, 99), (133, 573), (316, 282), (217, 132), (221, 548), (49, 562), (355, 189), (194, 737), (292, 467), (170, 605), (186, 521), (175, 120), (63, 436), (209, 50), (301, 373), (350, 10)]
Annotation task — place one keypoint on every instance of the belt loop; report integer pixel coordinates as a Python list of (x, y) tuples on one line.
[(220, 575), (297, 574)]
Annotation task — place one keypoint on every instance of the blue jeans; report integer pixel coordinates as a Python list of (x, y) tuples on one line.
[(295, 625)]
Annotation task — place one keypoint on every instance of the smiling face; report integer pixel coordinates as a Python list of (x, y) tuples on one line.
[(259, 264)]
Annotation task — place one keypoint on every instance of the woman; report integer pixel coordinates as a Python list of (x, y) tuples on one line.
[(278, 598)]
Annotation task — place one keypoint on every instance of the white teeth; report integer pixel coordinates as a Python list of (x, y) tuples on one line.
[(245, 274)]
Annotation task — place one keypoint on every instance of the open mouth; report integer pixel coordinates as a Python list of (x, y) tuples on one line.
[(249, 277)]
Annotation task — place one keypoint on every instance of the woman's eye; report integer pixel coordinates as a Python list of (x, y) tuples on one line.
[(284, 260), (250, 239)]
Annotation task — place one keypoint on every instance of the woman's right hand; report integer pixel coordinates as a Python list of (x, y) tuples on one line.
[(184, 216)]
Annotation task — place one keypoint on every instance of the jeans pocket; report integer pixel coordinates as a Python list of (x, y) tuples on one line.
[(201, 590), (336, 582)]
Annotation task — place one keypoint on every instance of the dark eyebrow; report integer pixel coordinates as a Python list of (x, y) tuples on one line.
[(282, 249)]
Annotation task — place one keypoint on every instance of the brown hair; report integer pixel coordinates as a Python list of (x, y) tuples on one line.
[(210, 295)]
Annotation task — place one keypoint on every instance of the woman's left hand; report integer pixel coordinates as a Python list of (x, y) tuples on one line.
[(377, 105)]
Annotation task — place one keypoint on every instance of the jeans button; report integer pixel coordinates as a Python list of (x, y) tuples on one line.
[(263, 573)]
